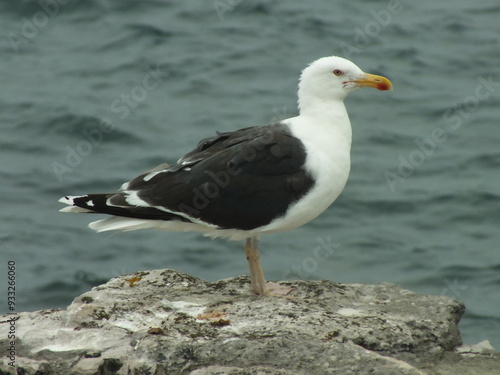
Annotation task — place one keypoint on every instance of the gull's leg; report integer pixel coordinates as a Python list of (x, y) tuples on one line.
[(256, 274)]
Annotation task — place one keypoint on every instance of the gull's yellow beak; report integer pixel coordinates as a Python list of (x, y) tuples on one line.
[(372, 80)]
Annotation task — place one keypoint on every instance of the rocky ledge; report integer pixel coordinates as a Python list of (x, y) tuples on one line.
[(164, 322)]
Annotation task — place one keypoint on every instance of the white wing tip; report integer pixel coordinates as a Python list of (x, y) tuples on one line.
[(123, 224), (69, 201), (74, 209)]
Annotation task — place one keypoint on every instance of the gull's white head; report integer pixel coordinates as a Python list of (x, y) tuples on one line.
[(332, 78)]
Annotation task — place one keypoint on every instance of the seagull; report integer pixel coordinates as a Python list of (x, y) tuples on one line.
[(252, 181)]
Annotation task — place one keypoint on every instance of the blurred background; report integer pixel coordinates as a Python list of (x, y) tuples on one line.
[(94, 93)]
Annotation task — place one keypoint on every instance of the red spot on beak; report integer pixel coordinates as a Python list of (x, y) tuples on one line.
[(383, 86)]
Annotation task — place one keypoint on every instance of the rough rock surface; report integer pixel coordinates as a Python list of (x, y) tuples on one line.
[(164, 322)]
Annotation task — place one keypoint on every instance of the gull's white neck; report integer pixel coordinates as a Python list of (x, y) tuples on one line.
[(325, 131), (324, 126)]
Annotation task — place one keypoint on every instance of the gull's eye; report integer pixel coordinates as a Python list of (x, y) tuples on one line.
[(338, 72)]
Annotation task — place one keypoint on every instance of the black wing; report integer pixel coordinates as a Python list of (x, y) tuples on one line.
[(239, 180)]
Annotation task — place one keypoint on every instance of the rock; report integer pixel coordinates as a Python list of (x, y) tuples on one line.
[(164, 322)]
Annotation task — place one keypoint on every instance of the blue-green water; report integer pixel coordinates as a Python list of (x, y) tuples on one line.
[(95, 92)]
